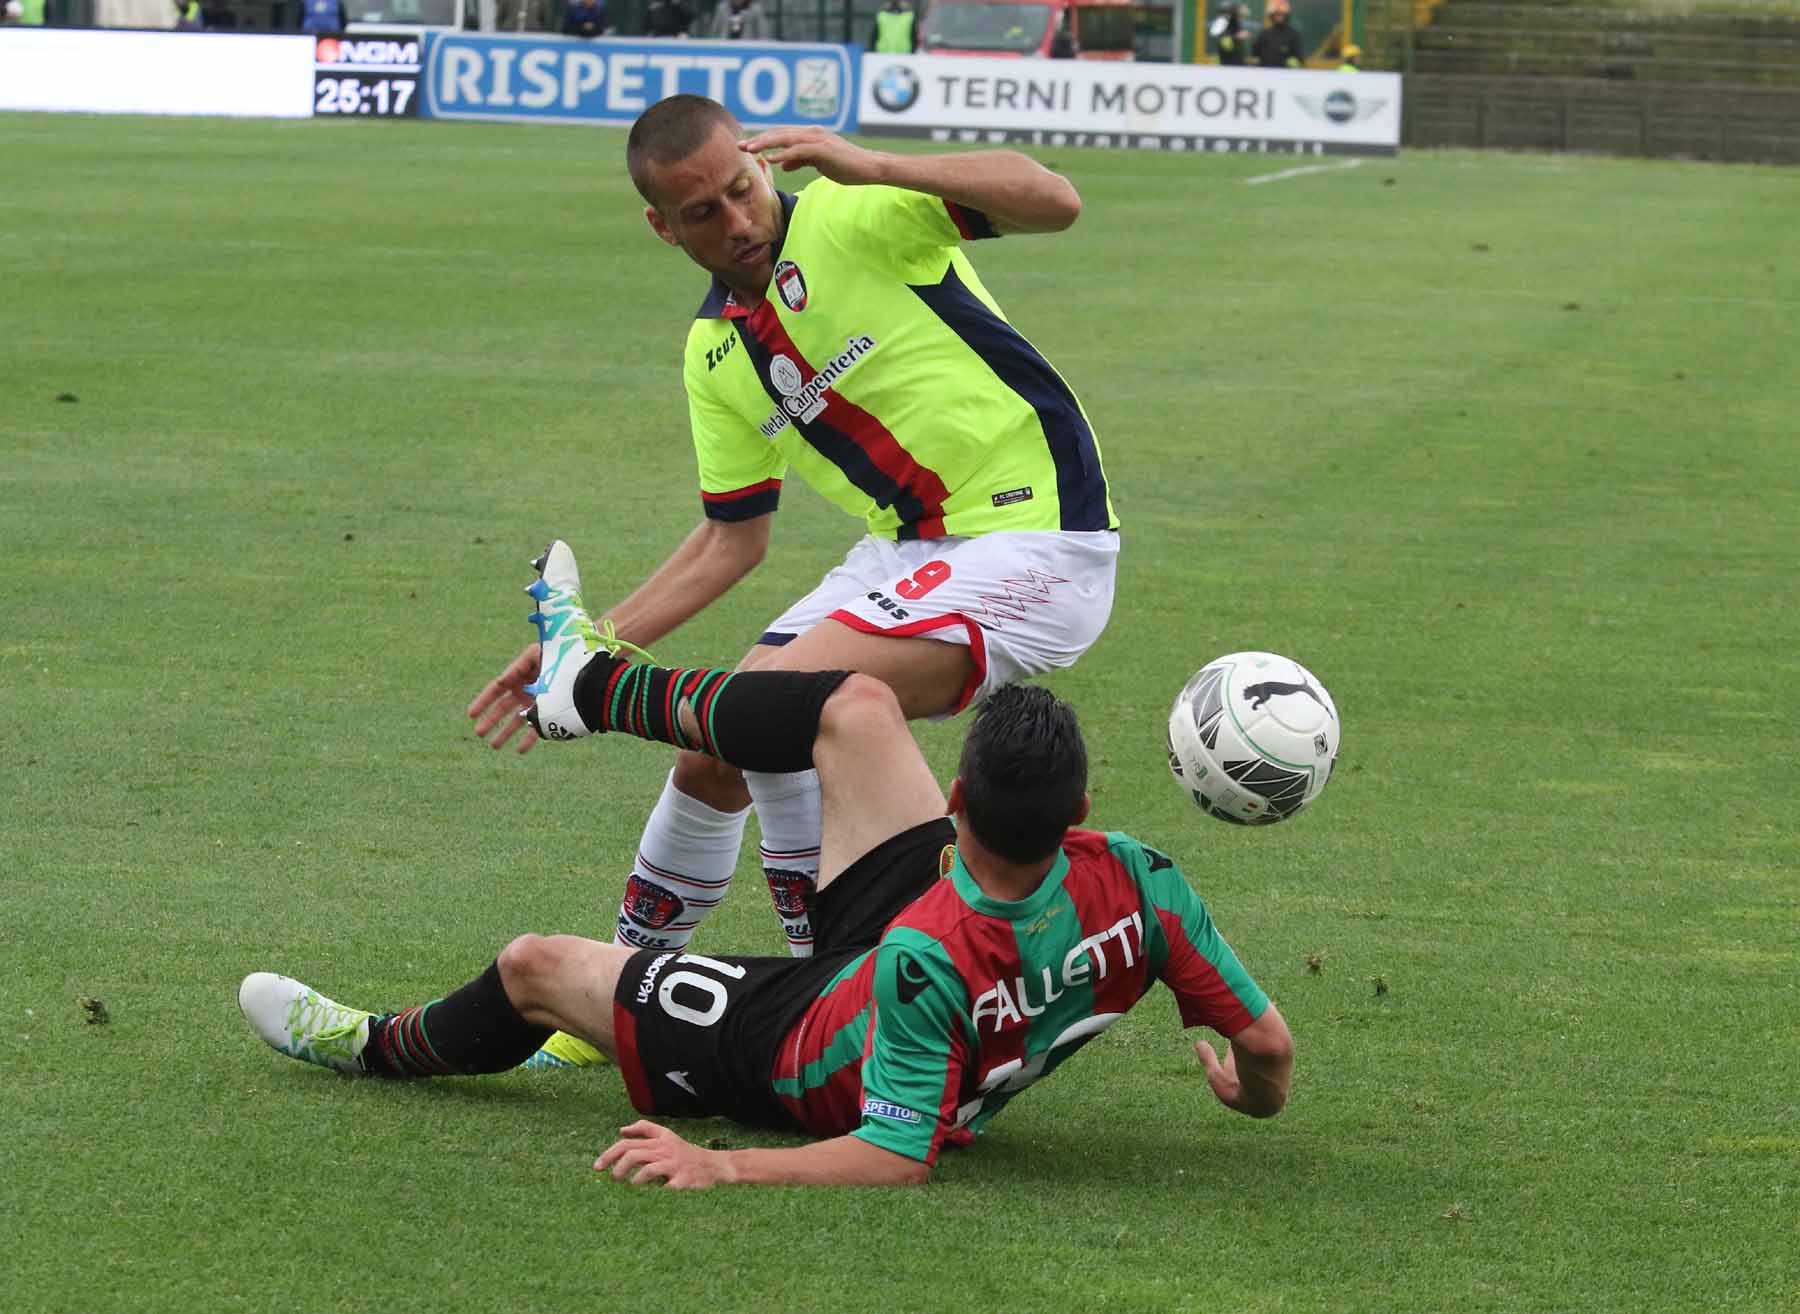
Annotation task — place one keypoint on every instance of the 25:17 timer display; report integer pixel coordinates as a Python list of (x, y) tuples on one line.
[(374, 95)]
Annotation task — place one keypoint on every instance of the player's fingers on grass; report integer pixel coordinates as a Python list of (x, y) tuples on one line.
[(509, 726), (497, 715), (485, 699)]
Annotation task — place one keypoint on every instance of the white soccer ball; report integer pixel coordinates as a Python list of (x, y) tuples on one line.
[(1253, 738)]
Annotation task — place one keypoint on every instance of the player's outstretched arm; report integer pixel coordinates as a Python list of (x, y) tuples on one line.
[(646, 1153), (1013, 190), (1255, 1074), (715, 556)]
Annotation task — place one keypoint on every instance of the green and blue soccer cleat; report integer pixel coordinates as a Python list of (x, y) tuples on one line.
[(563, 1051)]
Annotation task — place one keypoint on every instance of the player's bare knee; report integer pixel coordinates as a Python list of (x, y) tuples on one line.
[(524, 965), (861, 710), (708, 779)]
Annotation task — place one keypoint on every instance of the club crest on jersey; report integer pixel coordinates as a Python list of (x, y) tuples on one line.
[(790, 283), (650, 904)]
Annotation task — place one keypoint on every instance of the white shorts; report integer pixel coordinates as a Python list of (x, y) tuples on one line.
[(1024, 602)]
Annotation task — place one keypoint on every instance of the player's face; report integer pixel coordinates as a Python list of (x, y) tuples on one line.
[(720, 207)]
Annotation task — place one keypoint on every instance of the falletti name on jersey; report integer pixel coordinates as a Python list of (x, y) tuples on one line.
[(1003, 1005), (804, 401)]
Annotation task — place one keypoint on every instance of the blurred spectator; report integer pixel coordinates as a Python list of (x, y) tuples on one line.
[(1278, 44), (667, 18), (1062, 41), (323, 16), (24, 13), (1351, 55), (1230, 35), (522, 16), (187, 16), (740, 20), (584, 18), (894, 32)]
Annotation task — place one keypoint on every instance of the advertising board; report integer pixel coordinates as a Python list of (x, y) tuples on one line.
[(362, 75), (87, 72), (536, 80), (1183, 107)]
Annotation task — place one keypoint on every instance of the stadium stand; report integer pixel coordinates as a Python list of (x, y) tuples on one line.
[(1535, 75)]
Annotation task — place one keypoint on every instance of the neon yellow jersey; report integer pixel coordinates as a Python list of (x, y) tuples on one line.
[(882, 372)]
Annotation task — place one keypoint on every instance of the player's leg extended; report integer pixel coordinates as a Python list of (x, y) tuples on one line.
[(925, 678), (873, 781), (690, 844), (490, 1024)]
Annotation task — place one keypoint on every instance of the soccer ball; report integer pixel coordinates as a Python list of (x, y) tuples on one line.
[(1253, 738)]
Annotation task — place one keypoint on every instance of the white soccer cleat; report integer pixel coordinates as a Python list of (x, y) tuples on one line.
[(300, 1022), (567, 642)]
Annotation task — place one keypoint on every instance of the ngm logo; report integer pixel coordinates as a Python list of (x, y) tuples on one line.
[(367, 54)]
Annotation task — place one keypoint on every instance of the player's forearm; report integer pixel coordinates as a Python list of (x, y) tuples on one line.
[(1015, 191), (845, 1161), (699, 572)]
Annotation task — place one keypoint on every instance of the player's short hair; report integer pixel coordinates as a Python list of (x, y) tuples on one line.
[(1024, 773), (669, 131)]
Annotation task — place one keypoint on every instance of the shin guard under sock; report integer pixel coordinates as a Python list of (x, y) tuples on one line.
[(474, 1029), (757, 720)]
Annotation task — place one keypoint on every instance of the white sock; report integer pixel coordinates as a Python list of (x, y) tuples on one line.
[(787, 808), (683, 868)]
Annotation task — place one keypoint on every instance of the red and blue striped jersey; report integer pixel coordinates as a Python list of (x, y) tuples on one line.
[(968, 1000)]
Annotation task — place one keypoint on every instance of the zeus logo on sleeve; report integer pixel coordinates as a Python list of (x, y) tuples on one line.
[(1006, 1004)]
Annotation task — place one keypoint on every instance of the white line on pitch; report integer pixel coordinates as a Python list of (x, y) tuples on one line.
[(1302, 172)]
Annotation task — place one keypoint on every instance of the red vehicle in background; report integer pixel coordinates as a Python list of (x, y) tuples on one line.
[(1043, 29)]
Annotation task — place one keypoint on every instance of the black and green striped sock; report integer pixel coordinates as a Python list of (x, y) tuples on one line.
[(757, 720), (474, 1029)]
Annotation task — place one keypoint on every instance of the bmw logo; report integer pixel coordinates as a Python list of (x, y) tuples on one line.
[(1340, 106), (897, 88)]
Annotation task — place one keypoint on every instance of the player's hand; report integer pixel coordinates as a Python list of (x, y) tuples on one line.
[(646, 1153), (1222, 1077), (830, 154), (496, 708)]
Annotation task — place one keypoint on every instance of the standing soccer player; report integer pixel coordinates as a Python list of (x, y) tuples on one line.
[(958, 963), (845, 336)]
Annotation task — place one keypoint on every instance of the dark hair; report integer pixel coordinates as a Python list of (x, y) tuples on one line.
[(1023, 773), (672, 130)]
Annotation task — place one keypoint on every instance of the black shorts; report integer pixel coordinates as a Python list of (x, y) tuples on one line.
[(697, 1034)]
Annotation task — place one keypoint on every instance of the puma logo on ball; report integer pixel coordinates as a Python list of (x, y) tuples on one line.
[(1258, 694)]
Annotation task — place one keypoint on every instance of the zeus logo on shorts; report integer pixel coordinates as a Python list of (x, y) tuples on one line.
[(874, 1108)]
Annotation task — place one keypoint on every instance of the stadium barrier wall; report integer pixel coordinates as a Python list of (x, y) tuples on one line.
[(1180, 107), (1707, 121), (523, 79), (63, 70)]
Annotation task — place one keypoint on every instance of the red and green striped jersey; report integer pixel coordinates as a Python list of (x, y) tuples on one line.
[(883, 373), (967, 1000)]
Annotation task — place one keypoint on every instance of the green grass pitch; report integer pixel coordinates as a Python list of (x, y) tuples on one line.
[(1503, 447)]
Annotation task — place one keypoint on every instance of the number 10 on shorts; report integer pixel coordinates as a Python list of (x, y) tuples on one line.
[(716, 995)]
